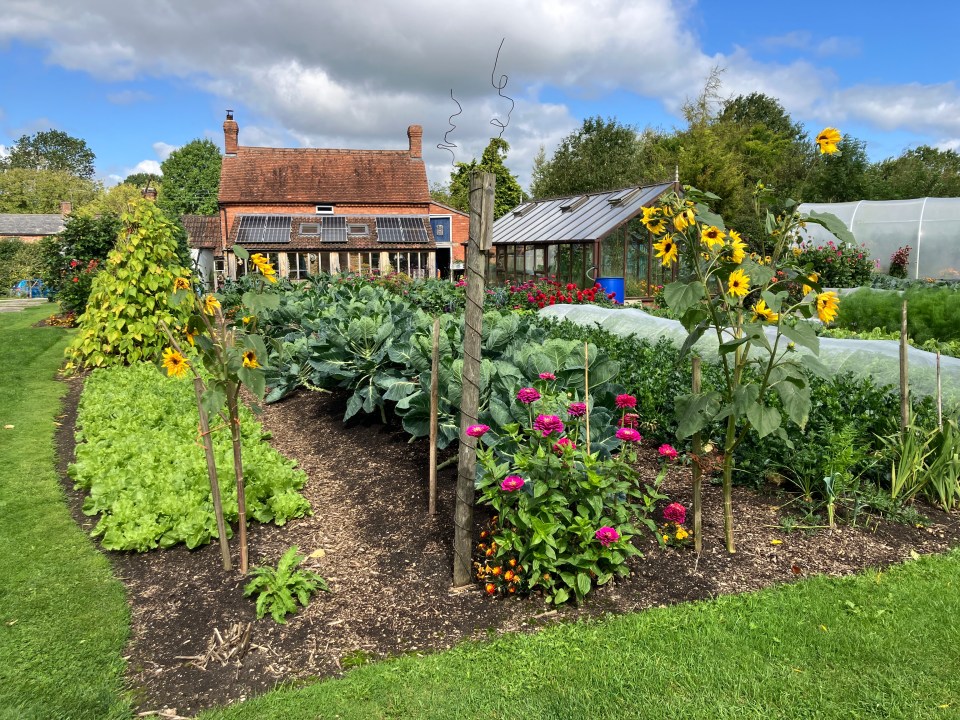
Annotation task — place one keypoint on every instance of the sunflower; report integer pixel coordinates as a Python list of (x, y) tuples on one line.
[(814, 277), (181, 283), (649, 213), (656, 225), (190, 337), (738, 283), (175, 363), (666, 249), (711, 235), (210, 304), (684, 219), (764, 313), (738, 246), (264, 266), (827, 304), (250, 359), (827, 140)]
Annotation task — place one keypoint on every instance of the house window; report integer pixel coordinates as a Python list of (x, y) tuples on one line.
[(310, 229), (358, 230), (301, 265), (414, 264), (324, 209), (363, 263)]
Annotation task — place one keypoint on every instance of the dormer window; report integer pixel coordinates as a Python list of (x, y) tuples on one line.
[(324, 209)]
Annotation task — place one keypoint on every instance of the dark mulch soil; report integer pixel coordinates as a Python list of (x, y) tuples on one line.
[(388, 564)]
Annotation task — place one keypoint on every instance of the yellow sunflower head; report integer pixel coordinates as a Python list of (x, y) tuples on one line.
[(738, 246), (711, 235), (666, 250), (827, 304), (210, 304), (250, 359), (738, 284), (175, 363), (827, 140), (656, 225), (181, 283), (814, 277), (761, 311)]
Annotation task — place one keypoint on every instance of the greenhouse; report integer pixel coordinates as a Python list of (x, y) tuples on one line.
[(876, 358), (581, 238), (930, 227)]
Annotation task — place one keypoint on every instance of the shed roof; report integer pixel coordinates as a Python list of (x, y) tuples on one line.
[(203, 231), (574, 218), (14, 224)]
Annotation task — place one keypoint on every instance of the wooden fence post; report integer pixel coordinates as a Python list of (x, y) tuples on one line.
[(480, 240), (904, 374), (697, 470), (434, 401)]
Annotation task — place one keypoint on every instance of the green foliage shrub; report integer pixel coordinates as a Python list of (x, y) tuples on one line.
[(839, 265), (72, 258), (19, 260), (132, 295), (145, 470), (932, 312)]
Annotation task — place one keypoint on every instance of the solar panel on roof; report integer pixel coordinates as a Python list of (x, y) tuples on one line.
[(263, 229), (414, 230), (389, 229), (334, 229)]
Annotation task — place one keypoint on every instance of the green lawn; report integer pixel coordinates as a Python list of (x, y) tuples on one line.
[(63, 616)]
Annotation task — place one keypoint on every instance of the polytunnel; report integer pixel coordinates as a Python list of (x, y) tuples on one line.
[(929, 226), (879, 359)]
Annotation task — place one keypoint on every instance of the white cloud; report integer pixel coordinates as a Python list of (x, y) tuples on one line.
[(163, 150), (4, 151), (129, 97)]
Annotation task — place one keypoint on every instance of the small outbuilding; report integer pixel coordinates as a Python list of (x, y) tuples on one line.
[(581, 238)]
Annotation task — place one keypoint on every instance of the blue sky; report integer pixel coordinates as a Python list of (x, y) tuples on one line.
[(137, 80)]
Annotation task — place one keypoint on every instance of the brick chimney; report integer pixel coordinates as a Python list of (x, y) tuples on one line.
[(65, 207), (230, 132), (149, 193), (415, 133)]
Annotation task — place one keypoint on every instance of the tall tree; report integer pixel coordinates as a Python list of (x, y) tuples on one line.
[(41, 191), (921, 172), (191, 180), (600, 155), (142, 179), (52, 150), (508, 193), (841, 177)]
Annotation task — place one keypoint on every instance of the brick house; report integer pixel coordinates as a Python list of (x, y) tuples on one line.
[(33, 227), (324, 210)]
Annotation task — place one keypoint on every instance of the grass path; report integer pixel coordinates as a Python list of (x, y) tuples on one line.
[(63, 616)]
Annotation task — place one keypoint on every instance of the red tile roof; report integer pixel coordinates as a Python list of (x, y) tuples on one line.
[(314, 175), (203, 231)]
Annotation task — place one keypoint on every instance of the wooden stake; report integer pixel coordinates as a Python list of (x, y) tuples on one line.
[(939, 395), (904, 373), (480, 239), (697, 470), (434, 401), (233, 390), (586, 392)]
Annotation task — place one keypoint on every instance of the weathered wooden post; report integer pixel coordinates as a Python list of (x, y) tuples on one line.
[(434, 411), (904, 372), (480, 241), (697, 469)]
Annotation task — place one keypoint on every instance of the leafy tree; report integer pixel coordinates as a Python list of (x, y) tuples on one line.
[(191, 180), (508, 193), (115, 200), (41, 191), (19, 260), (921, 172), (52, 150), (131, 296), (142, 179), (601, 155), (72, 258)]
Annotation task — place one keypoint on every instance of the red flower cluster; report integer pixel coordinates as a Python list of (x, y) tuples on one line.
[(544, 292)]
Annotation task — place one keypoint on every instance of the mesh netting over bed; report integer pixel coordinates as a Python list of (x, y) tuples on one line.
[(877, 358)]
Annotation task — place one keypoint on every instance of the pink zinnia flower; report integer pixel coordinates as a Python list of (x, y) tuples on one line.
[(628, 435), (577, 409), (511, 483), (548, 424), (629, 420), (675, 512), (626, 401), (562, 443), (547, 376), (478, 430), (528, 395), (606, 535), (668, 451)]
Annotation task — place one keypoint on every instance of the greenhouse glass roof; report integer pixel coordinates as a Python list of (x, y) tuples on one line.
[(930, 226)]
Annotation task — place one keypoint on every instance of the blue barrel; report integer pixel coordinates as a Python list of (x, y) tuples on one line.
[(612, 285)]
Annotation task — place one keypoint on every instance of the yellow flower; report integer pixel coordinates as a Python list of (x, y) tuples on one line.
[(682, 534), (264, 266), (762, 312), (827, 140), (190, 337), (666, 249), (666, 538), (797, 252), (712, 235), (250, 359), (656, 225), (247, 319), (827, 304), (649, 213), (210, 304), (738, 284), (814, 277), (666, 210), (738, 246), (175, 363), (684, 219), (181, 283)]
